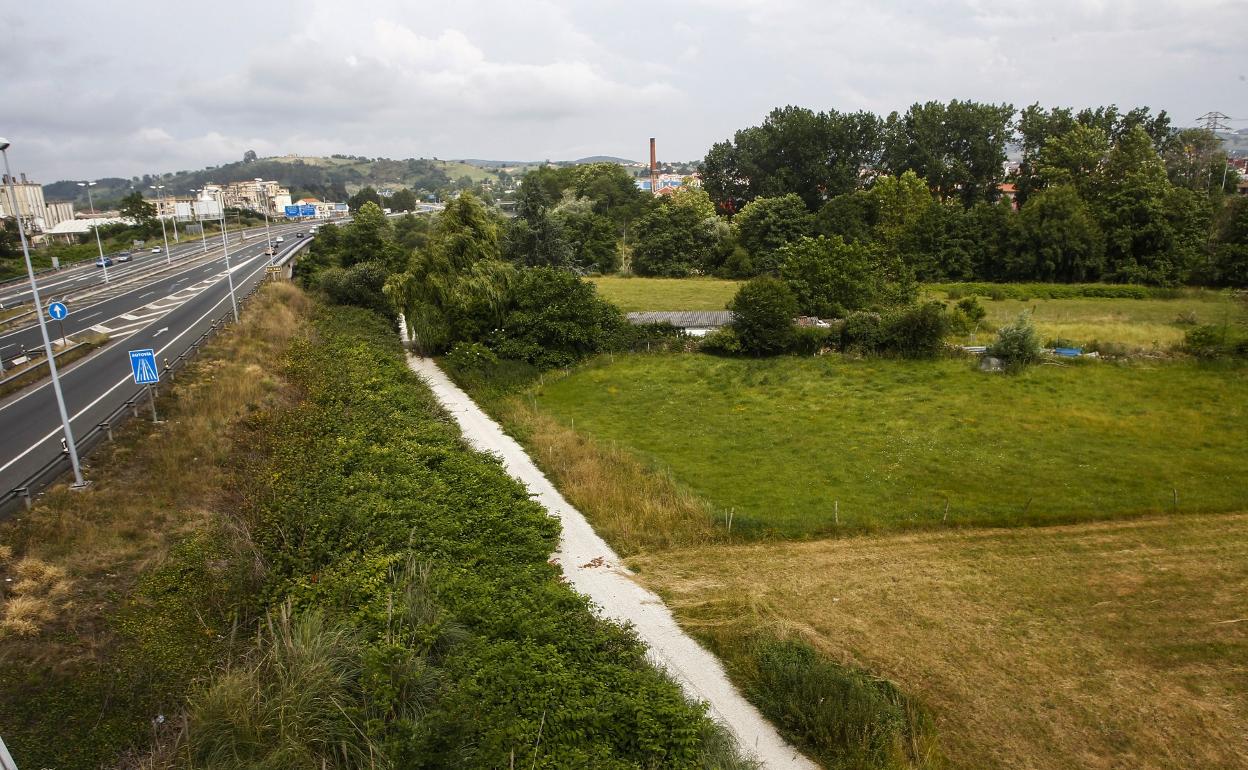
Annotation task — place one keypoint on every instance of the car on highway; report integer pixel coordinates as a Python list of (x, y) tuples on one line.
[(103, 262), (155, 249), (298, 235), (269, 252), (123, 256), (312, 230), (279, 239)]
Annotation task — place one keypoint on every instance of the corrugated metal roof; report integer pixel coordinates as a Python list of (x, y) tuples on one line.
[(683, 319)]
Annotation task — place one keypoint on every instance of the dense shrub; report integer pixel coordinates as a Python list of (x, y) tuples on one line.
[(970, 307), (555, 319), (809, 340), (917, 331), (845, 717), (648, 337), (1215, 341), (1017, 343), (763, 313), (830, 277), (722, 342), (862, 332), (360, 285), (477, 656)]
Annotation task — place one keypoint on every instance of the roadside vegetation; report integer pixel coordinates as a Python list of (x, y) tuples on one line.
[(117, 599)]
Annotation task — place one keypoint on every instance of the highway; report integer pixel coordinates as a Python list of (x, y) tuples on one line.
[(166, 313)]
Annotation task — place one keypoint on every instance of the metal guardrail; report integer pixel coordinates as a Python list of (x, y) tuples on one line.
[(24, 493)]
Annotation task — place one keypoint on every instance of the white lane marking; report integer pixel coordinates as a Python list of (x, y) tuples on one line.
[(122, 381), (89, 317), (150, 293), (160, 331)]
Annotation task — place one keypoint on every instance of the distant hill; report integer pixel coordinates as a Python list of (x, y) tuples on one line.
[(332, 178)]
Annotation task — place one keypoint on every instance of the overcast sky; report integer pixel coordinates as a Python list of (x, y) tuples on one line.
[(90, 89)]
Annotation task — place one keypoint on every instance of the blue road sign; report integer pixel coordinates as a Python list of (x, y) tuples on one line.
[(292, 212), (57, 311), (143, 367), (307, 210)]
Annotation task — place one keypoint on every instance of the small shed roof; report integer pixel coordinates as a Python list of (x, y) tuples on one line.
[(683, 319)]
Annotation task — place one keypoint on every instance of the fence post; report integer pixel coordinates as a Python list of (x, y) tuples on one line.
[(108, 428)]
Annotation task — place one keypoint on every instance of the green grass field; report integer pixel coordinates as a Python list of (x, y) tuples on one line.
[(806, 447), (1144, 324), (1137, 324), (632, 294)]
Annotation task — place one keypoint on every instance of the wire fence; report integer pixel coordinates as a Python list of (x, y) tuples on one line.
[(22, 496)]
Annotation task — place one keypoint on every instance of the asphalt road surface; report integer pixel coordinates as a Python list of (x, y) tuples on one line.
[(166, 314)]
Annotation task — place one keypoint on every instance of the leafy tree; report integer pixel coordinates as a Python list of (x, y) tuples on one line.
[(767, 224), (10, 241), (465, 232), (814, 155), (940, 244), (134, 207), (249, 156), (611, 190), (849, 216), (1232, 244), (1076, 159), (959, 147), (365, 195), (411, 231), (537, 241), (672, 241), (829, 278), (592, 239), (370, 238), (763, 313), (898, 203), (695, 198), (1058, 238), (403, 200), (555, 319)]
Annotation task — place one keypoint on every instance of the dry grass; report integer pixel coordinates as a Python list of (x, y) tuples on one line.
[(161, 483), (1109, 645), (635, 507)]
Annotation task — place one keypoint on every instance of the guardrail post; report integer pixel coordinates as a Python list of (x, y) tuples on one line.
[(134, 407), (25, 493), (108, 428), (168, 370)]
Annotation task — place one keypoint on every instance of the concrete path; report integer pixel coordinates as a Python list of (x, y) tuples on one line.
[(593, 569)]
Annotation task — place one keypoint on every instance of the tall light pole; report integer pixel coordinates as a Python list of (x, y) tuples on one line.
[(43, 328), (267, 237), (203, 234), (160, 196), (98, 242), (225, 249)]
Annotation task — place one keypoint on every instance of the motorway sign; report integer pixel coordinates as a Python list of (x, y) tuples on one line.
[(143, 367), (57, 311), (292, 212)]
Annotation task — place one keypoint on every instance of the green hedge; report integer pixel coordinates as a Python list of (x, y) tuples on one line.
[(368, 474), (1028, 291)]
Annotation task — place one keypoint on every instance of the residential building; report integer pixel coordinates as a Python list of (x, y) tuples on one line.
[(252, 195)]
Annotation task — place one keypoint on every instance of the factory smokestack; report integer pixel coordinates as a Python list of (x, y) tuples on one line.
[(654, 170)]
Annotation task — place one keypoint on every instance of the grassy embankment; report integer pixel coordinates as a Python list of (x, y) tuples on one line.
[(1044, 626), (123, 595), (408, 613)]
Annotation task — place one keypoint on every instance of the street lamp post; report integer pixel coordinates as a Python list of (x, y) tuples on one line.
[(98, 242), (203, 234), (43, 329), (225, 249), (164, 234), (267, 236)]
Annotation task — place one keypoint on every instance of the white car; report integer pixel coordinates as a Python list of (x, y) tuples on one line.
[(278, 239), (155, 249)]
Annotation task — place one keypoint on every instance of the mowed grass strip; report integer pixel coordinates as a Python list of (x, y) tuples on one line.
[(1105, 645), (815, 446), (632, 294), (1138, 325)]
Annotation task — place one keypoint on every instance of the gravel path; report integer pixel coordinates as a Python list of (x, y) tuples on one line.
[(593, 569)]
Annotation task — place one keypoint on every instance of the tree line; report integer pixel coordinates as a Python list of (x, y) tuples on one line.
[(1097, 195)]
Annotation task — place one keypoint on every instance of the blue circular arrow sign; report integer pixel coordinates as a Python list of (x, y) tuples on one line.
[(57, 310)]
